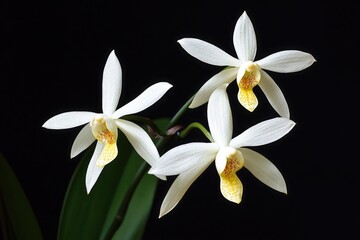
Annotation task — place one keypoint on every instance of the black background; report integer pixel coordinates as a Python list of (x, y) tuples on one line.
[(52, 61)]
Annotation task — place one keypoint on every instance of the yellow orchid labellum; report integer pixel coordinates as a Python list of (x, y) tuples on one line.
[(249, 76), (104, 130), (230, 185)]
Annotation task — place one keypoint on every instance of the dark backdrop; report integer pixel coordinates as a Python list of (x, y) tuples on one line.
[(53, 56)]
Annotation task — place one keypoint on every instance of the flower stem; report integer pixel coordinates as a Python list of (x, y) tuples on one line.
[(181, 112), (121, 213), (199, 126)]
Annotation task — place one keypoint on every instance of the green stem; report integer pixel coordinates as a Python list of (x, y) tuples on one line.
[(181, 112), (199, 126), (143, 169)]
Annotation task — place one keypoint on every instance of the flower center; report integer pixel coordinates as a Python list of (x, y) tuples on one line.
[(233, 165), (101, 132), (230, 185), (250, 77), (105, 131)]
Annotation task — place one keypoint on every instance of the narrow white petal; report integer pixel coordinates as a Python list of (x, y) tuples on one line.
[(144, 100), (69, 120), (274, 95), (264, 170), (263, 133), (140, 140), (287, 61), (112, 84), (93, 171), (112, 126), (244, 39), (203, 95), (185, 157), (220, 160), (82, 141), (180, 186), (207, 52), (220, 117)]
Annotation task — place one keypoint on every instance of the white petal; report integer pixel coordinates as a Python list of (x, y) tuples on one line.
[(112, 84), (82, 141), (112, 126), (93, 171), (264, 132), (69, 120), (185, 157), (180, 186), (244, 39), (141, 142), (144, 100), (221, 159), (263, 170), (274, 95), (207, 52), (220, 117), (203, 95), (287, 61)]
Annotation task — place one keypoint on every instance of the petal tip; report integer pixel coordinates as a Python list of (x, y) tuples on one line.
[(283, 190), (181, 40), (88, 189), (151, 171), (112, 52)]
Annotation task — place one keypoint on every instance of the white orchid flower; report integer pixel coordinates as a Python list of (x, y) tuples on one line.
[(103, 126), (248, 72), (191, 159)]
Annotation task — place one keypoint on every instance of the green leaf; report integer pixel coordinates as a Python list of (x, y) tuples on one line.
[(17, 218), (83, 215), (91, 216), (139, 208)]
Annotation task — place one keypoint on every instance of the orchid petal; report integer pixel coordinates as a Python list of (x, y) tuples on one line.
[(180, 186), (220, 117), (263, 170), (141, 142), (111, 126), (69, 120), (109, 153), (203, 95), (287, 61), (244, 39), (264, 132), (144, 100), (93, 170), (222, 157), (112, 84), (247, 99), (185, 157), (82, 141), (207, 52), (220, 161), (231, 187), (274, 95)]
